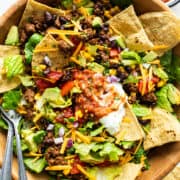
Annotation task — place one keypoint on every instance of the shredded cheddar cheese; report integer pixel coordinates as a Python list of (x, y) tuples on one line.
[(159, 47), (46, 49), (63, 32), (37, 117), (143, 79), (78, 49), (85, 172), (63, 37), (85, 139), (58, 168), (64, 145)]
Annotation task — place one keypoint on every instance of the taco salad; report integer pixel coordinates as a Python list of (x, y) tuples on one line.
[(95, 84)]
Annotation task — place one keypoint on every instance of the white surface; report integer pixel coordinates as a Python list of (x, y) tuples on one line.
[(5, 4)]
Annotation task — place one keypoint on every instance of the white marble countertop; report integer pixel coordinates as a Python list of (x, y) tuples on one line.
[(4, 5)]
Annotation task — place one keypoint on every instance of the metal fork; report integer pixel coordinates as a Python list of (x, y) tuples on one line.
[(14, 118), (7, 162)]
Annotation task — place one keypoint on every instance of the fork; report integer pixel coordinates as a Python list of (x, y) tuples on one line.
[(14, 118), (7, 162)]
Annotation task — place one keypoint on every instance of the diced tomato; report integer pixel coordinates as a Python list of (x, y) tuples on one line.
[(114, 52), (68, 112), (74, 169), (155, 79), (54, 76), (43, 84), (66, 88), (75, 40), (140, 85)]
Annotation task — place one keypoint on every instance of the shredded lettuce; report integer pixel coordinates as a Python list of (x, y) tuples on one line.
[(131, 55), (171, 64), (168, 95), (36, 166), (26, 80), (32, 139), (103, 150), (53, 97), (30, 45), (131, 79), (13, 66), (140, 110), (159, 72), (11, 99)]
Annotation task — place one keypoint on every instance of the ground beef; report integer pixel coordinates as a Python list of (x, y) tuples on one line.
[(90, 33), (86, 23), (131, 87), (48, 140), (23, 36), (29, 114), (53, 156), (67, 75), (29, 28), (63, 45), (149, 99), (29, 95), (122, 74), (104, 55), (132, 98)]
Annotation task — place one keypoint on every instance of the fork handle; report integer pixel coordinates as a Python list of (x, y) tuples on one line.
[(22, 171), (7, 162)]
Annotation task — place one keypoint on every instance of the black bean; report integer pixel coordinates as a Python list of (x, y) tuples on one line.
[(48, 17)]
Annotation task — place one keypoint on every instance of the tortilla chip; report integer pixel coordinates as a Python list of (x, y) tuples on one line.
[(162, 28), (129, 171), (49, 47), (130, 129), (128, 24), (37, 10), (5, 84), (164, 128)]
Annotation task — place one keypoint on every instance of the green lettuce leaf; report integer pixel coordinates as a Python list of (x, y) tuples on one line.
[(36, 166), (168, 95), (12, 37), (105, 150), (32, 139), (162, 99), (53, 97), (173, 94), (30, 45), (13, 66), (11, 99), (171, 64), (26, 80), (106, 173), (131, 55), (159, 72), (131, 79), (97, 131), (111, 151), (140, 110)]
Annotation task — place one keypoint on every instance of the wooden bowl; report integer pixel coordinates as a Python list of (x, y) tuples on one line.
[(162, 159)]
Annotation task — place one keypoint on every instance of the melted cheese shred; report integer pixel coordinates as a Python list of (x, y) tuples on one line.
[(85, 172)]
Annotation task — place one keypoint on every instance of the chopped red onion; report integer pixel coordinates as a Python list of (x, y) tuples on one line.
[(112, 79), (47, 61), (70, 143), (61, 132), (75, 124), (50, 127), (58, 140)]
